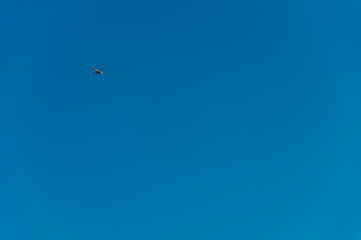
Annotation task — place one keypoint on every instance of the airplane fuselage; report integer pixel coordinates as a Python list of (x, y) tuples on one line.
[(98, 71)]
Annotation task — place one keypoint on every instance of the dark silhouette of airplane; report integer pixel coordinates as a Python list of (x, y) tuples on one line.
[(97, 71)]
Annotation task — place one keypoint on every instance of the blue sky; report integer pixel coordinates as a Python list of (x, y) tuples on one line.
[(213, 120)]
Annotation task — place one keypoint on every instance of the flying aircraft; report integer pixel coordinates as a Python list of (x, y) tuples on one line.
[(97, 71)]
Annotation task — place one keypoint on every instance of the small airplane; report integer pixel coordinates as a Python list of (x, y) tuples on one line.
[(97, 71)]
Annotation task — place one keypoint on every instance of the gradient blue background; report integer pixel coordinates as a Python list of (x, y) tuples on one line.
[(213, 120)]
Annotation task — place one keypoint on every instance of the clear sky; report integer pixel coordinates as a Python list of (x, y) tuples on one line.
[(213, 120)]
